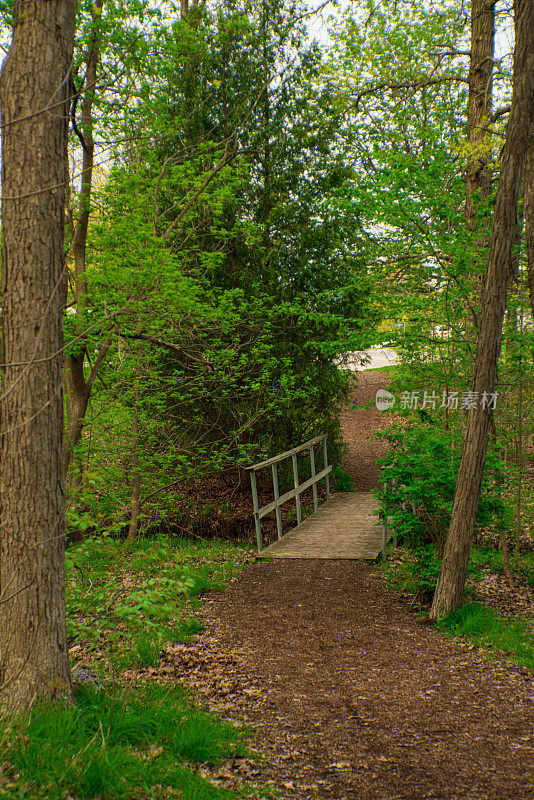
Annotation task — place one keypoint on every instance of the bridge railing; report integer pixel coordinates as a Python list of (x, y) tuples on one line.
[(298, 488), (387, 519)]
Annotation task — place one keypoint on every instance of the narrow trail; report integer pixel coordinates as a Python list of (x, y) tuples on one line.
[(350, 695), (359, 426)]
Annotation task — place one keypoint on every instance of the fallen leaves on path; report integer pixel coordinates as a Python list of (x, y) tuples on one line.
[(350, 697)]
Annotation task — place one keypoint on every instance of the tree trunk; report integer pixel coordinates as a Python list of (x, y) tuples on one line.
[(478, 172), (528, 195), (480, 101), (34, 105), (134, 454), (78, 389), (78, 394), (451, 582), (135, 507), (266, 203), (500, 522)]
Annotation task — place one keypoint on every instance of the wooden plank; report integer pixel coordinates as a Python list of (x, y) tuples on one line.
[(274, 468), (327, 482), (293, 492), (312, 473), (287, 454), (256, 510), (297, 487), (343, 527)]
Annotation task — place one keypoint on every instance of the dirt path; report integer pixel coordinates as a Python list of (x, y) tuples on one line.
[(350, 695), (359, 426)]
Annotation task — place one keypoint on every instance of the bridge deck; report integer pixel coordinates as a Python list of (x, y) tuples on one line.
[(343, 527)]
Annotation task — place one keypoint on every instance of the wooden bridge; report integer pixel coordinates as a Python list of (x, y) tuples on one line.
[(347, 525)]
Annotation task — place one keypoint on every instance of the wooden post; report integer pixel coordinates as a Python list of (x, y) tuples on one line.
[(327, 479), (274, 468), (296, 486), (312, 468), (384, 534), (256, 509), (311, 482)]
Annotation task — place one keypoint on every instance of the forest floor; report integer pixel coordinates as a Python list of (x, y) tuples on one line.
[(347, 693)]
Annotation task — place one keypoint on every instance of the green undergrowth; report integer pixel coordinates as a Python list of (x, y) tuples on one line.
[(131, 739), (415, 572), (487, 629), (127, 600), (521, 563), (147, 742)]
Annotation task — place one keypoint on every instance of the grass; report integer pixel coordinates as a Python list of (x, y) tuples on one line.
[(391, 368), (410, 572), (112, 745), (130, 741), (127, 600), (488, 629)]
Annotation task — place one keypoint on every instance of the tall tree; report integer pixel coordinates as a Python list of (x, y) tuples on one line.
[(451, 582), (528, 195), (480, 101), (78, 385), (34, 104), (405, 121), (253, 283)]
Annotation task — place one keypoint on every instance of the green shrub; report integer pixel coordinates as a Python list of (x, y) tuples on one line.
[(416, 574), (126, 600), (343, 481), (523, 564), (419, 478)]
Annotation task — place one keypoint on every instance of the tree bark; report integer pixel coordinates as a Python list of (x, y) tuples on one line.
[(77, 387), (503, 542), (478, 171), (133, 530), (34, 105), (480, 101), (451, 582), (78, 395), (528, 205)]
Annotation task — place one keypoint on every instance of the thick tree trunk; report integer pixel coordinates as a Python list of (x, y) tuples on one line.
[(451, 582), (34, 104)]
